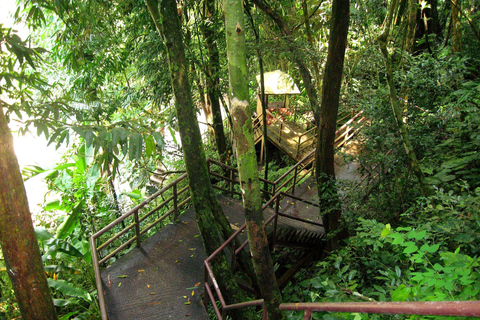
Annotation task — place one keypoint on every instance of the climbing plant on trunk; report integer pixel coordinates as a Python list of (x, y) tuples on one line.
[(329, 201), (209, 215), (246, 157)]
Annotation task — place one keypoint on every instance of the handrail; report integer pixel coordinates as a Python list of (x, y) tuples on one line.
[(438, 308), (210, 277), (138, 232)]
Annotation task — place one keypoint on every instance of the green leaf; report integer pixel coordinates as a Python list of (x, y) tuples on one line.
[(69, 224), (158, 139), (68, 289), (410, 249), (52, 205), (386, 231), (417, 235), (149, 147), (42, 234)]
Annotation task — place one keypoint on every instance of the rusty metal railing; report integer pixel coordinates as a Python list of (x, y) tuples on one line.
[(210, 279), (285, 183), (127, 237), (433, 308)]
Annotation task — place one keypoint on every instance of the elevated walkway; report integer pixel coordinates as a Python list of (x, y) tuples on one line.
[(298, 141)]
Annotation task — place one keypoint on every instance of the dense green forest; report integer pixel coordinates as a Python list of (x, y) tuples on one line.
[(119, 85)]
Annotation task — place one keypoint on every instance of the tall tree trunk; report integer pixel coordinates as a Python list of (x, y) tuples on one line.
[(246, 157), (17, 237), (457, 35), (296, 52), (263, 102), (310, 40), (395, 103), (213, 78), (412, 22), (329, 201), (209, 215)]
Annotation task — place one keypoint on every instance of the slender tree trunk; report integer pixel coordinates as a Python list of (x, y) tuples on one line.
[(292, 46), (213, 78), (246, 157), (329, 201), (263, 103), (396, 106), (457, 36), (209, 215), (17, 237), (412, 22), (310, 40)]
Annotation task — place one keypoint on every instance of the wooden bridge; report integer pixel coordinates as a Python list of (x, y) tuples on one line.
[(297, 140), (153, 267)]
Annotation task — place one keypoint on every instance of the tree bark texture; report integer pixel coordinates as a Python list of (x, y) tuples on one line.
[(324, 155), (17, 237), (247, 159), (457, 35), (395, 103), (213, 77), (209, 215)]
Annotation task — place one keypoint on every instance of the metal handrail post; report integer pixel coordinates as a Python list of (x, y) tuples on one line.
[(294, 180), (98, 279), (137, 228)]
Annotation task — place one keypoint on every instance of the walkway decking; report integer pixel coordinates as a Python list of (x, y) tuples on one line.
[(164, 278)]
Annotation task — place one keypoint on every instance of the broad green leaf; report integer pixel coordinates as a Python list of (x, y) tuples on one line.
[(69, 224), (410, 249), (42, 234), (52, 205), (386, 231), (68, 289)]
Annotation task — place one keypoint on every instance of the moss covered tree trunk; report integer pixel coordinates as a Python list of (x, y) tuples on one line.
[(329, 200), (17, 237), (246, 157), (209, 215), (396, 105), (213, 76)]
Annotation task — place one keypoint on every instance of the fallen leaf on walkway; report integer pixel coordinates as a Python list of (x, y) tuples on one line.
[(148, 286), (185, 297), (187, 302), (123, 276), (176, 261), (192, 249), (196, 236), (119, 284), (141, 270), (109, 282), (152, 293), (197, 284), (193, 293)]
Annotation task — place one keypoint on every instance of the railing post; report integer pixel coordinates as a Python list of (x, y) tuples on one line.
[(308, 315), (294, 180), (175, 202), (277, 207), (137, 228), (98, 279)]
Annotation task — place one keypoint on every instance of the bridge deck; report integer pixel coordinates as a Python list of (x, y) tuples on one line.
[(164, 278)]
